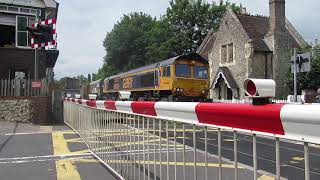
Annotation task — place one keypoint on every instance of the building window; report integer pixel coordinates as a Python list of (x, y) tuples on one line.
[(13, 9), (230, 53), (224, 54), (200, 72), (166, 71), (183, 70), (23, 37), (8, 36), (20, 10), (25, 10), (227, 53), (3, 8)]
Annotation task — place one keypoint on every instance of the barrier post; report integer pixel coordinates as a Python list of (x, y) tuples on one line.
[(278, 159), (235, 155), (306, 161)]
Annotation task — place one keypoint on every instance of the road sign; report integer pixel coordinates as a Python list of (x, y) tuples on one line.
[(299, 63), (36, 84), (303, 62)]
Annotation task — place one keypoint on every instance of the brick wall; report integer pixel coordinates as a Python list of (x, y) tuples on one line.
[(26, 109)]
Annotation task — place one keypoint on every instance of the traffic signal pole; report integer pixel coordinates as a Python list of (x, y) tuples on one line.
[(36, 56), (35, 64), (295, 74)]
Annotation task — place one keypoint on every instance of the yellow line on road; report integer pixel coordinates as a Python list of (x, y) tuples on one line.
[(87, 160), (265, 177), (74, 140), (198, 164), (66, 169), (298, 158), (60, 145)]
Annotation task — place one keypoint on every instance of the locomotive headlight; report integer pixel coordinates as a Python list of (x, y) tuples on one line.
[(179, 90), (204, 92)]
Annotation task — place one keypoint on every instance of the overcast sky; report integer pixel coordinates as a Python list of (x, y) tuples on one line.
[(83, 25)]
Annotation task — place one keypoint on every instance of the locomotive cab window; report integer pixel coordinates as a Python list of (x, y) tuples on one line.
[(166, 72), (200, 72), (183, 70)]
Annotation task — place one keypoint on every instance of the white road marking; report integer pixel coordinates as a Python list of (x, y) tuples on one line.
[(39, 132)]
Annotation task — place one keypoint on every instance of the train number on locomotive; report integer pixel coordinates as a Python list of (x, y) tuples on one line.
[(127, 83)]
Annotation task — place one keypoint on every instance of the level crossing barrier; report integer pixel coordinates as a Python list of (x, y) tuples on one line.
[(137, 140)]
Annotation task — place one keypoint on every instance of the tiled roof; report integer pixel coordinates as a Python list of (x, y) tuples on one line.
[(207, 44), (223, 72), (256, 28)]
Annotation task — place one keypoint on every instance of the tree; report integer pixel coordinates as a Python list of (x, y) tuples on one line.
[(127, 43), (309, 80), (161, 43), (191, 20), (138, 39), (82, 79)]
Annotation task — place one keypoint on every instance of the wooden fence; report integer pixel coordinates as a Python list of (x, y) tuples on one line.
[(24, 87)]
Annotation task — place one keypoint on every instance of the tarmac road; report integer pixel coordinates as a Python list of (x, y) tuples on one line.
[(291, 154), (32, 152)]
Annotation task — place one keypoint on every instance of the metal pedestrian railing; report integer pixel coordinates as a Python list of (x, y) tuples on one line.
[(136, 146)]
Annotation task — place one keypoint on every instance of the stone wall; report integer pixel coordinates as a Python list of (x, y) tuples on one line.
[(26, 109), (231, 31)]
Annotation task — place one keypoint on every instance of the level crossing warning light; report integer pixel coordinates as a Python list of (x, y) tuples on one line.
[(43, 33), (260, 90)]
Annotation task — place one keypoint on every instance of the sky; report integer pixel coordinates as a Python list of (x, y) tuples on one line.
[(83, 25)]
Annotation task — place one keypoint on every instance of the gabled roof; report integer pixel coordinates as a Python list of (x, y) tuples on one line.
[(256, 27), (207, 44), (223, 72)]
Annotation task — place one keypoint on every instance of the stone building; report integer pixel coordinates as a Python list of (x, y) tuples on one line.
[(247, 46), (17, 59)]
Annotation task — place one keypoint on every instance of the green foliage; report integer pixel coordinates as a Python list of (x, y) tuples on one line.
[(138, 39), (191, 20), (61, 83), (309, 80), (127, 43)]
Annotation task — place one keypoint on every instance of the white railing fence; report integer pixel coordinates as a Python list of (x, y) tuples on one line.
[(247, 101), (136, 146)]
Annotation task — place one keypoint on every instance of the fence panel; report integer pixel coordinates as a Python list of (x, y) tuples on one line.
[(23, 87)]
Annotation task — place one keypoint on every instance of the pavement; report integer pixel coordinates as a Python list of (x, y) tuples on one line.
[(32, 152)]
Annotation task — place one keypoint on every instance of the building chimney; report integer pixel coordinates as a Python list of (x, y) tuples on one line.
[(277, 16), (243, 10)]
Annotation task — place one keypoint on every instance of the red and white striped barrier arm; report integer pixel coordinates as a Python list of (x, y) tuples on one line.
[(295, 122)]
